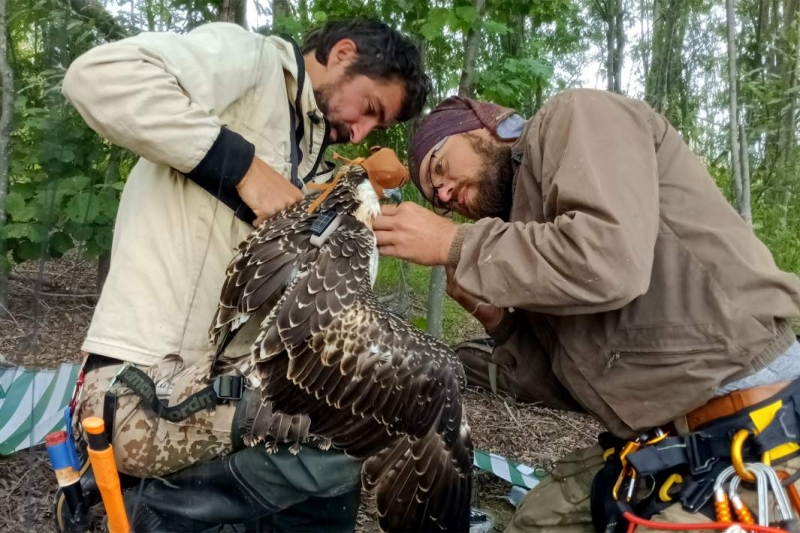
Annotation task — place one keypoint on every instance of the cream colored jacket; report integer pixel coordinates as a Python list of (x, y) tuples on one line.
[(165, 97)]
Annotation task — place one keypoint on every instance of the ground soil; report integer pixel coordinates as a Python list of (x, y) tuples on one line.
[(51, 306)]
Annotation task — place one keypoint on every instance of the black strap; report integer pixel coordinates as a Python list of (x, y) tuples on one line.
[(606, 516), (298, 122), (109, 414), (700, 450), (294, 154), (299, 128), (785, 427), (223, 388)]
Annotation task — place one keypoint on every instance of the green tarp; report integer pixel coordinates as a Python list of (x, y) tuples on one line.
[(32, 404)]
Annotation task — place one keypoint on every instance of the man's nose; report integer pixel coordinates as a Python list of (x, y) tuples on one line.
[(359, 130), (445, 192)]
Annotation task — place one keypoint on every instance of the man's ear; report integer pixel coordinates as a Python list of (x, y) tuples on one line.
[(342, 52)]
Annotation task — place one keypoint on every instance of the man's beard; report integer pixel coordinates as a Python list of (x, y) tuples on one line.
[(323, 97), (495, 181)]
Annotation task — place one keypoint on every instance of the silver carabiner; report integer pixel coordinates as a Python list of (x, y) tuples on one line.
[(781, 497), (762, 489)]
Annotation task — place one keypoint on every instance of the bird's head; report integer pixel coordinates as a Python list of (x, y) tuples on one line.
[(369, 181), (386, 174)]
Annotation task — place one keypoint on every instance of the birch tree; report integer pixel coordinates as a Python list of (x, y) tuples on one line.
[(736, 168), (7, 77), (438, 281)]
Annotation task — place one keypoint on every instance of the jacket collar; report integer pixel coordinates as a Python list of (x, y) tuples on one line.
[(311, 129)]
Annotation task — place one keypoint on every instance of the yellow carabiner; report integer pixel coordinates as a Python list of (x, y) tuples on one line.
[(737, 443), (663, 493)]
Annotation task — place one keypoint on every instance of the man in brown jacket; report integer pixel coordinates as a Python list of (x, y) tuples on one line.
[(609, 270)]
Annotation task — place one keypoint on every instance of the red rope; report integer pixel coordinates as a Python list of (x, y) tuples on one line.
[(636, 521)]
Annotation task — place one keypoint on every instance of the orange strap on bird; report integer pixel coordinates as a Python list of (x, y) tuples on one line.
[(383, 167), (101, 455)]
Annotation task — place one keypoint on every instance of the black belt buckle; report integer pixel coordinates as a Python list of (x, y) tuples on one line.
[(698, 451), (697, 494), (228, 387)]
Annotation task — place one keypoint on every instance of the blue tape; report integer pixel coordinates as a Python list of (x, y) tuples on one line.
[(73, 453)]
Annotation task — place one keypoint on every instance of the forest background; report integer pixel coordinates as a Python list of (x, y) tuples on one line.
[(726, 76)]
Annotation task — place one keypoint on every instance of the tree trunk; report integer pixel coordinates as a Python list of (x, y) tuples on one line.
[(787, 69), (233, 11), (471, 42), (666, 58), (736, 168), (744, 208), (790, 149), (103, 20), (646, 54), (611, 35), (7, 78), (793, 111), (436, 287), (438, 281), (619, 55), (280, 9), (302, 9)]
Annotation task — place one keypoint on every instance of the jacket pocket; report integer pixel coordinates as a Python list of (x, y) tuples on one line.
[(650, 386), (658, 356)]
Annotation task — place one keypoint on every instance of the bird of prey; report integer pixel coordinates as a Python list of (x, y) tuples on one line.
[(329, 365)]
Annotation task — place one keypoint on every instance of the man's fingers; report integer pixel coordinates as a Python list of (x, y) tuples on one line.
[(382, 223), (389, 210), (384, 237), (388, 250)]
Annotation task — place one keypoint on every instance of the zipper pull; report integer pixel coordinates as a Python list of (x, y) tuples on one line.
[(315, 121), (313, 117), (615, 355)]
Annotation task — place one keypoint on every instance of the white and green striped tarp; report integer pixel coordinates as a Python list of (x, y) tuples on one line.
[(516, 474), (32, 404)]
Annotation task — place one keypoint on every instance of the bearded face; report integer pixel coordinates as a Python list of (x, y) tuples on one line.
[(492, 181)]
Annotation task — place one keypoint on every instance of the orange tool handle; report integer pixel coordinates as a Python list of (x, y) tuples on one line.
[(101, 455)]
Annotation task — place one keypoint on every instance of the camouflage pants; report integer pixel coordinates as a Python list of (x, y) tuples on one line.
[(146, 445), (561, 502)]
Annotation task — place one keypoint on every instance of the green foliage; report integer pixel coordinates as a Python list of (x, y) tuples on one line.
[(65, 180), (457, 324)]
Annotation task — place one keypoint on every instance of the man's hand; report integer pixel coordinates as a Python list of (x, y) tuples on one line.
[(487, 314), (411, 232), (265, 191)]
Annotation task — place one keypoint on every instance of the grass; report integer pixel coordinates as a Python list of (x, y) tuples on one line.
[(457, 324)]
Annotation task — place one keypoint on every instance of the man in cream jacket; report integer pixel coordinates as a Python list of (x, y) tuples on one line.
[(229, 126)]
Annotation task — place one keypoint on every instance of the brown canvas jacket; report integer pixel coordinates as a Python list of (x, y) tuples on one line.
[(630, 283)]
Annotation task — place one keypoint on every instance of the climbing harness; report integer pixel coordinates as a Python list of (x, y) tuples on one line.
[(704, 470)]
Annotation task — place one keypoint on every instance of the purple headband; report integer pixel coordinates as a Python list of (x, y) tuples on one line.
[(454, 115)]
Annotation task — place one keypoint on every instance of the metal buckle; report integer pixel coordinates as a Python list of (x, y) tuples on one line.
[(228, 387), (701, 460), (697, 493)]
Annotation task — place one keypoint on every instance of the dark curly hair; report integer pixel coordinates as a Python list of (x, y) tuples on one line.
[(383, 53)]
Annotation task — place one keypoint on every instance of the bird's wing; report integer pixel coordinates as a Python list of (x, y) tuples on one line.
[(262, 268), (373, 385)]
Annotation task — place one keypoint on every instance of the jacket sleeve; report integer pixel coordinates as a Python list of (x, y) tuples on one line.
[(160, 95), (595, 156)]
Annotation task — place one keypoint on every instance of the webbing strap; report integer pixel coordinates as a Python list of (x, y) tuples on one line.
[(700, 450), (141, 384), (697, 450), (784, 428)]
